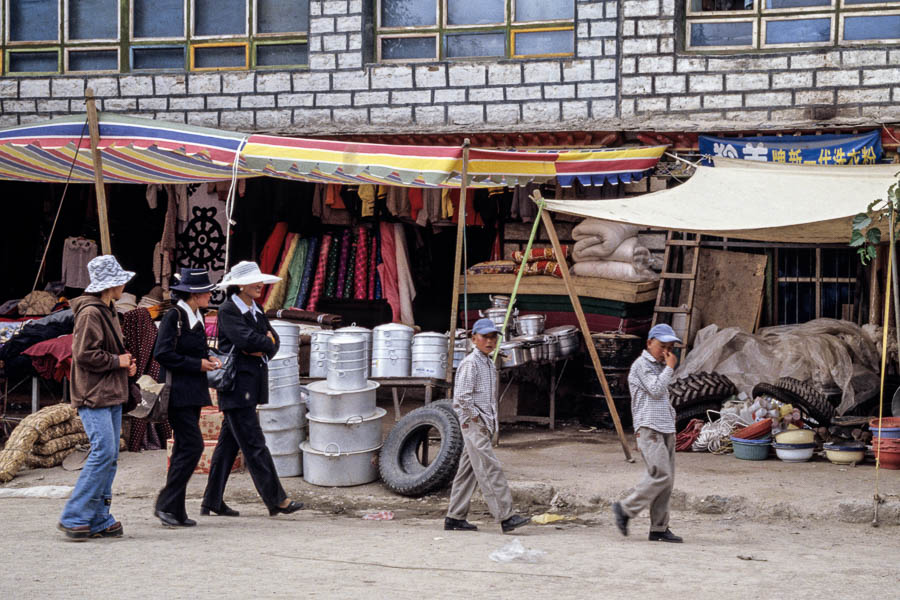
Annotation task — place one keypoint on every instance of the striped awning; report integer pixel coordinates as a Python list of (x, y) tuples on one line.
[(137, 150)]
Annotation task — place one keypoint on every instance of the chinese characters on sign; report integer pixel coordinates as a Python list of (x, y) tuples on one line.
[(863, 149)]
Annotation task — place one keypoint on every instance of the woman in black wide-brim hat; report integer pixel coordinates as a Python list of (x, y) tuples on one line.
[(182, 351)]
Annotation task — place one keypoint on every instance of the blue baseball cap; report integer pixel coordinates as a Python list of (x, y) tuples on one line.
[(663, 333), (485, 327)]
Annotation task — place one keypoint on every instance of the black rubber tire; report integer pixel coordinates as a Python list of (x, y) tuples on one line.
[(767, 389), (700, 388), (444, 404), (684, 417), (399, 464), (810, 400)]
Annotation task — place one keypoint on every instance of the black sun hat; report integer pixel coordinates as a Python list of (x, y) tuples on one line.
[(195, 281)]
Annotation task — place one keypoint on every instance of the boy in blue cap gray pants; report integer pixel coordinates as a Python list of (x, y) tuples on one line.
[(475, 403), (654, 428)]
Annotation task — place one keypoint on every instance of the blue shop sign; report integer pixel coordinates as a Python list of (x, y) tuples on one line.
[(831, 149)]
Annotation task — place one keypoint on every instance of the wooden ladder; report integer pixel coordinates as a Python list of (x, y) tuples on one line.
[(670, 292)]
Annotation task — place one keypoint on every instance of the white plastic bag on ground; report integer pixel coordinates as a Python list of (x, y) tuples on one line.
[(515, 551), (38, 491), (609, 235), (608, 269)]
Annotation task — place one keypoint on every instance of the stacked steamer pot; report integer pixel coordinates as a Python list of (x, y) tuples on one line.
[(567, 336), (283, 419), (365, 333), (429, 354), (462, 345), (344, 421), (318, 353), (392, 350)]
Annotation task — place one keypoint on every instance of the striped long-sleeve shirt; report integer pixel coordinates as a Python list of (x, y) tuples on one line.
[(475, 389), (649, 381)]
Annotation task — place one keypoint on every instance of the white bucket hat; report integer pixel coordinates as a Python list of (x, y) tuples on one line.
[(106, 273), (245, 273)]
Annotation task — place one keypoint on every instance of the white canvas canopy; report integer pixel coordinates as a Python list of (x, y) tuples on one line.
[(753, 201)]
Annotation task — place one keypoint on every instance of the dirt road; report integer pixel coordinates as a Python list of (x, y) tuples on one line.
[(312, 554)]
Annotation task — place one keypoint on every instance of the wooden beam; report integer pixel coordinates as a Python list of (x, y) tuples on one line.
[(586, 332), (457, 262), (94, 128)]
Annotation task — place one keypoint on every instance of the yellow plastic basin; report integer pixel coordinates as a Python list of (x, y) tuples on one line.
[(796, 436), (845, 457)]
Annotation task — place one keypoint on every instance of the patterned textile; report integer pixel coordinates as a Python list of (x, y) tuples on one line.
[(388, 270), (543, 267), (308, 273), (295, 273), (318, 284), (269, 254), (346, 242), (539, 254), (373, 263), (277, 292), (493, 267), (379, 292), (361, 270), (139, 335), (331, 273), (350, 276), (649, 382)]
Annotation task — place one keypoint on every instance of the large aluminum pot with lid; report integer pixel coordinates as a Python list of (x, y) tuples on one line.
[(360, 331), (350, 435), (391, 335), (551, 343), (288, 337), (534, 345), (530, 324), (498, 315), (333, 467), (498, 301), (335, 405), (317, 351), (512, 354), (568, 339)]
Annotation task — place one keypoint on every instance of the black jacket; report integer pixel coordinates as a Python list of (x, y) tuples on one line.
[(181, 355), (245, 335)]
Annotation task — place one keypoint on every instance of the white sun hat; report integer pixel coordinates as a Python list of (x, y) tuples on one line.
[(106, 273), (245, 273)]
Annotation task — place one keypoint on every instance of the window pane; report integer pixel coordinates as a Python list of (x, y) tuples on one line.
[(219, 56), (94, 60), (93, 19), (800, 30), (544, 10), (407, 13), (796, 302), (33, 62), (545, 42), (462, 45), (722, 34), (33, 20), (158, 58), (220, 17), (720, 5), (158, 18), (875, 27), (475, 12), (871, 1), (408, 48), (796, 3), (274, 55), (282, 16)]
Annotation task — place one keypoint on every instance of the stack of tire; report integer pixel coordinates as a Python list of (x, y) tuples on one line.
[(693, 396), (403, 465), (814, 403)]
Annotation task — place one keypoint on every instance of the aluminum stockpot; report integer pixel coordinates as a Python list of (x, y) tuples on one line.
[(498, 301), (347, 355), (430, 339), (551, 343), (334, 405), (288, 336), (568, 339), (530, 324), (392, 331), (498, 315), (285, 394), (512, 354), (386, 366), (350, 435), (335, 468), (346, 342), (277, 418), (346, 379), (429, 368), (283, 366), (351, 364), (317, 350), (288, 465), (283, 441), (534, 345)]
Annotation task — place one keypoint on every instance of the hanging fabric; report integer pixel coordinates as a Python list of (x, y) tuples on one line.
[(318, 285), (308, 273), (277, 292), (350, 275), (295, 273), (331, 272), (406, 287), (361, 268), (388, 270)]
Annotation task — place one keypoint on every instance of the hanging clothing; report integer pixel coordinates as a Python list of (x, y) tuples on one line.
[(52, 359), (277, 292), (77, 253), (308, 273), (139, 334), (446, 204), (318, 284), (388, 270), (350, 276), (361, 268), (272, 247), (295, 273), (398, 201), (367, 200), (375, 277), (343, 262), (472, 216), (406, 287)]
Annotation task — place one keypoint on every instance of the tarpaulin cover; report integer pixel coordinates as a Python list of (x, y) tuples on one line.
[(752, 200), (828, 149), (135, 150)]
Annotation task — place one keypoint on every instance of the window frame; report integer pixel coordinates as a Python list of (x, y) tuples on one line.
[(66, 40), (133, 40), (9, 51), (7, 42), (766, 20), (515, 32), (231, 44), (222, 36), (874, 13), (437, 47), (159, 46), (276, 42), (69, 49), (749, 19)]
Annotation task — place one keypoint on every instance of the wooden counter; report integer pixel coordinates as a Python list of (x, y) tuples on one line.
[(544, 285)]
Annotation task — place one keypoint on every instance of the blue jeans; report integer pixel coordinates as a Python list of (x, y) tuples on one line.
[(90, 500)]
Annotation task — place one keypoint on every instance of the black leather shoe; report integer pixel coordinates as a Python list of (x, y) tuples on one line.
[(76, 534), (458, 525), (224, 511), (665, 536), (621, 518), (514, 522), (170, 520), (294, 506)]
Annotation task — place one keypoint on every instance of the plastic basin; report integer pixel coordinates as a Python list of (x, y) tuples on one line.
[(795, 436), (794, 452), (845, 455), (751, 449)]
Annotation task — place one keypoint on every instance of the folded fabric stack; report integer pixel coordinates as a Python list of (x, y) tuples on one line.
[(611, 251), (542, 261)]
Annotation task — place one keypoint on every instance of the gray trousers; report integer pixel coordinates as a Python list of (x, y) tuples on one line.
[(655, 489), (478, 464)]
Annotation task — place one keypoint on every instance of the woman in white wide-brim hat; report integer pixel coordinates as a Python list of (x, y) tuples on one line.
[(245, 330)]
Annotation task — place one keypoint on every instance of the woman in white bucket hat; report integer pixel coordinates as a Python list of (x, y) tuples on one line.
[(244, 329)]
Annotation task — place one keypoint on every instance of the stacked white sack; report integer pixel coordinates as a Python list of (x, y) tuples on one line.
[(611, 251)]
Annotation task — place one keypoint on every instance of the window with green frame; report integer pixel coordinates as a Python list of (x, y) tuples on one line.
[(714, 25), (112, 36), (428, 30)]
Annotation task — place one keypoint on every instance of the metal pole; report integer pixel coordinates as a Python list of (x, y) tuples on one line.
[(35, 395), (460, 236), (94, 127)]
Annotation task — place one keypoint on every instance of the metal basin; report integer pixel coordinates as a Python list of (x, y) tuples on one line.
[(530, 324), (512, 354), (333, 405), (335, 468), (534, 346), (349, 435)]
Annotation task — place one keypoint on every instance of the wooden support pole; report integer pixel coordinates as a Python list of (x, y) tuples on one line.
[(457, 263), (94, 128), (588, 342)]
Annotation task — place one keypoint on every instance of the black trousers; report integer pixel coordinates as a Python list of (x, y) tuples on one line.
[(241, 431), (186, 453)]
